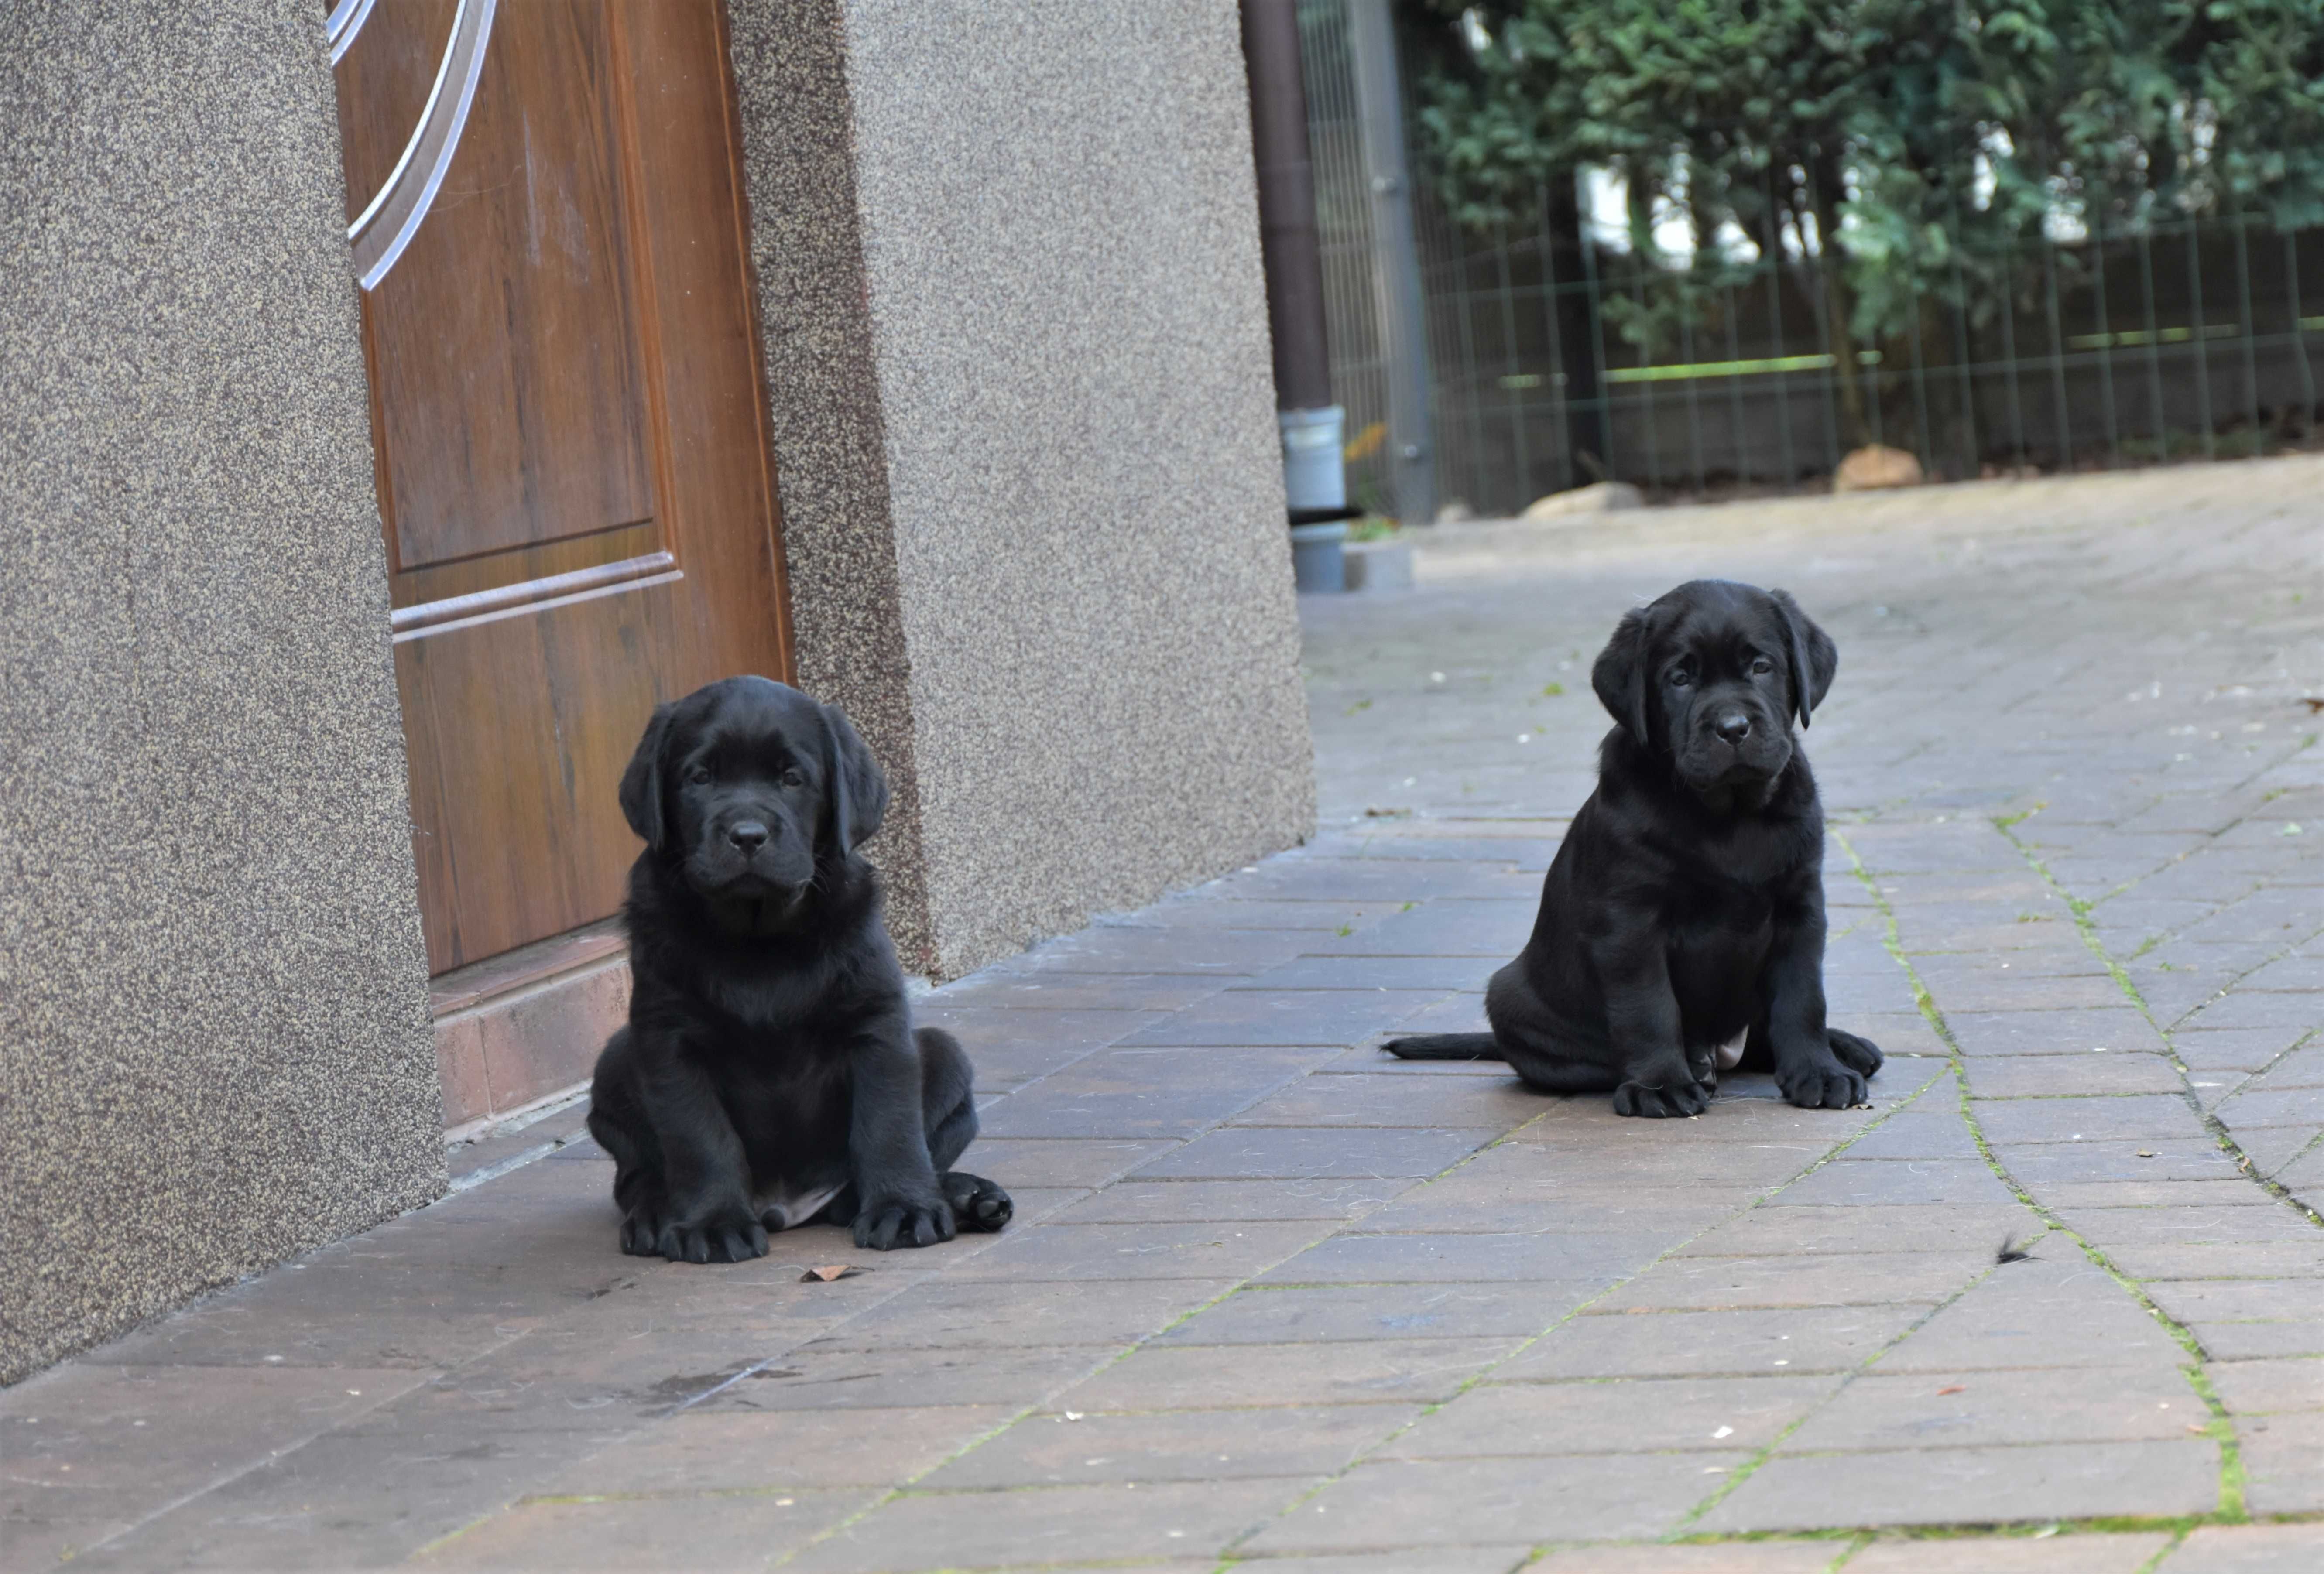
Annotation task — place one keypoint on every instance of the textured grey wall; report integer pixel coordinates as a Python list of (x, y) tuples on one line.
[(1043, 548), (213, 999)]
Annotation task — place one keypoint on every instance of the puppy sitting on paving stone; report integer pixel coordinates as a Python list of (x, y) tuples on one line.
[(770, 1075), (1682, 925)]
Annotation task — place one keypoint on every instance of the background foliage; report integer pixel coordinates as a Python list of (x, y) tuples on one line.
[(1937, 142)]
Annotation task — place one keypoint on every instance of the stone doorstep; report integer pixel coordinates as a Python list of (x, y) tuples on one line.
[(522, 1029)]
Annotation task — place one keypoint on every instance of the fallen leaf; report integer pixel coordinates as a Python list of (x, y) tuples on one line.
[(2199, 1430), (824, 1276), (2315, 706), (2146, 1153), (1956, 1388)]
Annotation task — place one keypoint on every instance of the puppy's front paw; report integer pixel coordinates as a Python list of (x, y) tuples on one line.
[(1675, 1100), (1823, 1084), (728, 1234), (1860, 1056), (887, 1223), (976, 1202)]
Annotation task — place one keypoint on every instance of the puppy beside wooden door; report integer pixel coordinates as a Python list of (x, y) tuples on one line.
[(770, 1075)]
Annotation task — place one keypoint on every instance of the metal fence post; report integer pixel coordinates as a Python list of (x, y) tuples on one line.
[(1396, 261)]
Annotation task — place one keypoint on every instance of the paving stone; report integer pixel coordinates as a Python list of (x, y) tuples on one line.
[(1277, 1153), (2118, 1030), (1504, 1560), (1861, 1182), (1378, 972), (1115, 948), (1486, 930), (1130, 1093), (1780, 1228), (1684, 1344), (830, 1376), (1316, 1017), (2249, 1548), (2302, 1106), (358, 1496), (2240, 1259), (1433, 1502), (2262, 1388), (1115, 1522), (2223, 1191), (1144, 1201), (2197, 1223), (1577, 1266), (1047, 1448), (1210, 913), (729, 1532), (2065, 1075), (2078, 1554), (93, 1450), (2245, 1049), (1209, 1377), (1976, 1486), (2164, 1156), (1223, 1250), (1880, 1411), (1311, 1313), (1733, 1557), (2280, 1453), (1023, 1312), (2038, 1120), (2059, 1311), (698, 1451), (1058, 989), (1868, 1278), (1395, 1100), (1703, 1414), (1918, 1133), (1063, 1161)]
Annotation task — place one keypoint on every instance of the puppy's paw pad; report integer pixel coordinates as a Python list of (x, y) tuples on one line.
[(1860, 1056), (976, 1202)]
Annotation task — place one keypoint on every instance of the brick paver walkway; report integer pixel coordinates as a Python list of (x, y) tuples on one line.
[(1275, 1298)]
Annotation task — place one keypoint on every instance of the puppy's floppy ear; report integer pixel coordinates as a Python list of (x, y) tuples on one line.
[(856, 794), (1814, 658), (642, 782), (1620, 673)]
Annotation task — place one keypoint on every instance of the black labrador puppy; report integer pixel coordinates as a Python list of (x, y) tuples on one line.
[(1685, 910), (770, 1074)]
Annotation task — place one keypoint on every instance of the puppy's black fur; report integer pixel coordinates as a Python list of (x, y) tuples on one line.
[(1685, 907), (769, 1074)]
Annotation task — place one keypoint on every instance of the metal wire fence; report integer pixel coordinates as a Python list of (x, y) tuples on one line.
[(1559, 359)]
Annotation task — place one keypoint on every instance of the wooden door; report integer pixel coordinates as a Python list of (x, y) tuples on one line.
[(546, 209)]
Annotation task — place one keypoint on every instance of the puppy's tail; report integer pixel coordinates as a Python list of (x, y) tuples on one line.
[(1445, 1046)]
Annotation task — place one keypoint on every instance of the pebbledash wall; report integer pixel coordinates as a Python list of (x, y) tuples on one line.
[(214, 1050), (1015, 347)]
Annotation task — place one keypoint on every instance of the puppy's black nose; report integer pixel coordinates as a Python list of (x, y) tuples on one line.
[(748, 834), (1734, 726)]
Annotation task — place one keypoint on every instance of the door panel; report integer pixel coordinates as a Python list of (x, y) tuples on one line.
[(570, 434)]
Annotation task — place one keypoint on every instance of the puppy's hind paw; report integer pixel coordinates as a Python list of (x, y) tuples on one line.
[(1677, 1100), (976, 1202), (1860, 1056)]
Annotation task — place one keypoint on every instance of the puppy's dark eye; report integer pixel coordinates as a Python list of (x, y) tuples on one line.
[(700, 774), (792, 777), (1681, 678), (1761, 667)]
